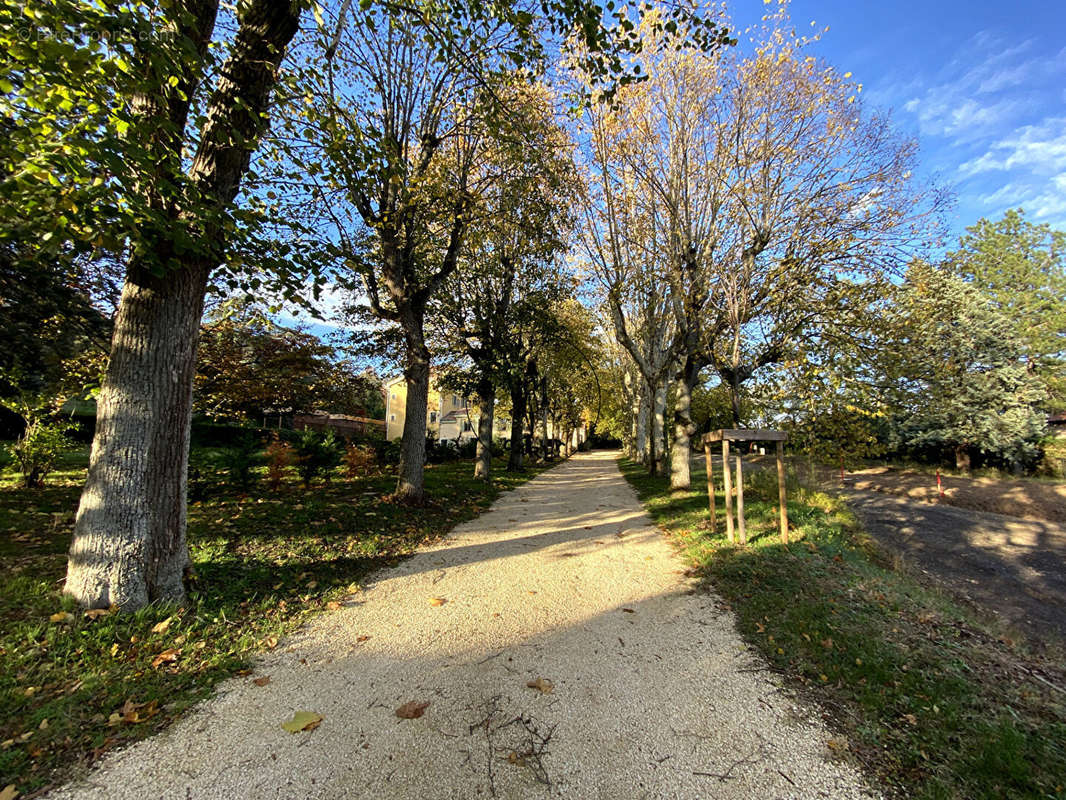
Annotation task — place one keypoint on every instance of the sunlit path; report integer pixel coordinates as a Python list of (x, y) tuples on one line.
[(652, 693)]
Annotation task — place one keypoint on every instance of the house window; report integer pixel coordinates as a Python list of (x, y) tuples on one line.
[(455, 401), (432, 416), (392, 417), (466, 427)]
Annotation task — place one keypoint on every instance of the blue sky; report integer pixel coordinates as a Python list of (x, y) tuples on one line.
[(981, 84)]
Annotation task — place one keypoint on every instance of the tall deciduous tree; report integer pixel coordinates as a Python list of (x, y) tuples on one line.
[(777, 194), (129, 537), (247, 366), (395, 119), (510, 272), (116, 138)]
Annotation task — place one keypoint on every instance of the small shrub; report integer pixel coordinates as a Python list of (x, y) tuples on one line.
[(467, 448), (316, 454), (358, 460), (439, 452), (240, 460), (280, 456), (36, 450)]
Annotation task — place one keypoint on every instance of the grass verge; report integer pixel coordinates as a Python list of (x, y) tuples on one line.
[(935, 703), (73, 687)]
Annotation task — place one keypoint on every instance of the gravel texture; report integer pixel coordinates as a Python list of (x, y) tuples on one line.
[(652, 692)]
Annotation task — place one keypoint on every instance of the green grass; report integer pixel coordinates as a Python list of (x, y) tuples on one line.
[(935, 703), (264, 562)]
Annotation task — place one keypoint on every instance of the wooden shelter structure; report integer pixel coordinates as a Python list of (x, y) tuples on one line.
[(725, 436)]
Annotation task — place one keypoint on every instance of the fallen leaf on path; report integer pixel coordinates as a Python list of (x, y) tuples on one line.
[(517, 760), (62, 616), (262, 681), (132, 713), (9, 792), (760, 628), (333, 605), (161, 627), (361, 638), (302, 721), (168, 656), (629, 611), (96, 613), (437, 601), (412, 710), (838, 743), (270, 642), (543, 685)]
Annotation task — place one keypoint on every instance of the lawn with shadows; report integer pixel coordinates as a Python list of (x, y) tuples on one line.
[(935, 703), (74, 686)]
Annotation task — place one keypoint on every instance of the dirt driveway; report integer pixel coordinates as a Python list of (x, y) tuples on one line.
[(1013, 568), (1042, 500)]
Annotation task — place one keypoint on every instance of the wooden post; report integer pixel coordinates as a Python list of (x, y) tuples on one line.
[(710, 481), (740, 502), (727, 480), (781, 490)]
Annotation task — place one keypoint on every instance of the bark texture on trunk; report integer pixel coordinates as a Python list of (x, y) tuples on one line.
[(486, 398), (518, 415), (658, 432), (641, 422), (734, 400), (680, 452), (410, 486), (129, 544)]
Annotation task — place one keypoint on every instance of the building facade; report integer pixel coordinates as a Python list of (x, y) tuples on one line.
[(449, 416)]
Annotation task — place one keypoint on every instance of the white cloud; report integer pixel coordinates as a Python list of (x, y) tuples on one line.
[(988, 85), (1043, 202), (1039, 148)]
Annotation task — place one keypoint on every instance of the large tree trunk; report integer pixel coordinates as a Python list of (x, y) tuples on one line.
[(129, 544), (518, 416), (658, 431), (641, 422), (411, 483), (734, 398), (680, 453), (542, 421), (486, 398)]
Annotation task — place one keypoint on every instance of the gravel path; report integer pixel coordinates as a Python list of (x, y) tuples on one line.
[(653, 694), (1010, 567)]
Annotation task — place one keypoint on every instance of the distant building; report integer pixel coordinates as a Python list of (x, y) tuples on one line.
[(449, 416)]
